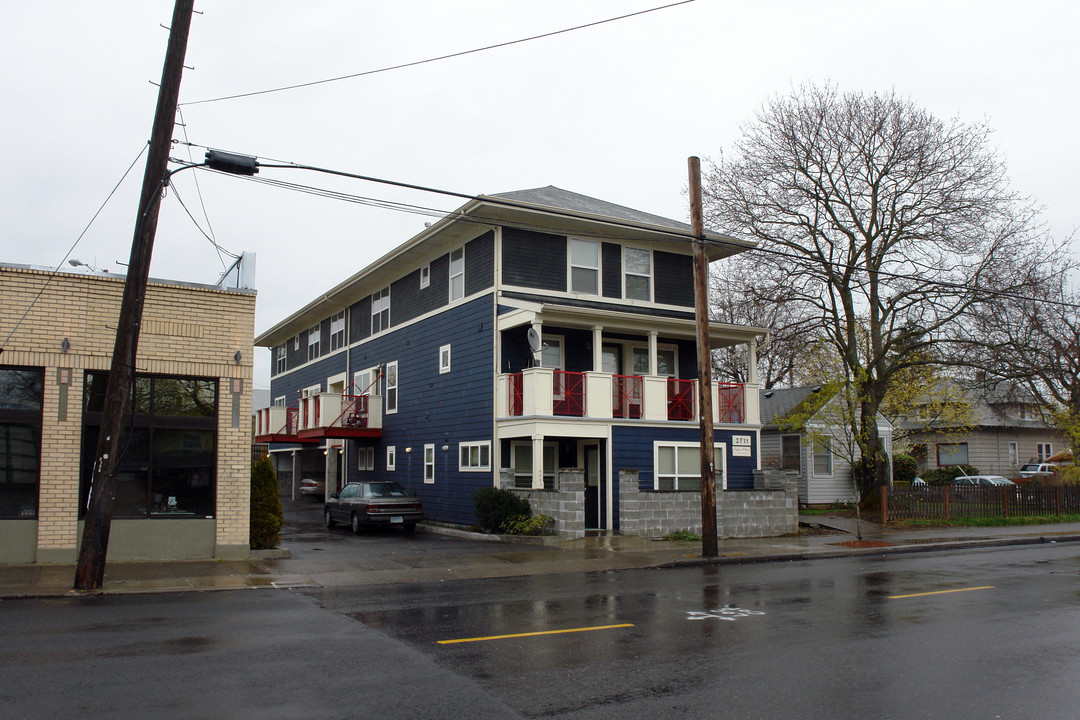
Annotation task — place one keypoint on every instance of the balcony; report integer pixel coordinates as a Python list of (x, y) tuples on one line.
[(315, 418), (542, 392)]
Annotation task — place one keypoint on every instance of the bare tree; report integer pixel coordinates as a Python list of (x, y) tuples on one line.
[(737, 298), (882, 218), (1034, 342)]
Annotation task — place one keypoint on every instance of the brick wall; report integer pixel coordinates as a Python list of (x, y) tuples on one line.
[(189, 330)]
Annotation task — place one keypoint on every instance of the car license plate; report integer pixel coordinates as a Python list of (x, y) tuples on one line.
[(397, 519)]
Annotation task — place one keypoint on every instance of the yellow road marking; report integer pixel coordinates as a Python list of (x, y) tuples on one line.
[(533, 634), (941, 592)]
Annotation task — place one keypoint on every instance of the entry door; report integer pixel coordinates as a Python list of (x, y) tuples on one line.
[(611, 359), (595, 499)]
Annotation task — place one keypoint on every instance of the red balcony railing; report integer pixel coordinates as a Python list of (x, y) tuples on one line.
[(680, 399), (517, 394), (569, 393), (626, 396), (730, 403)]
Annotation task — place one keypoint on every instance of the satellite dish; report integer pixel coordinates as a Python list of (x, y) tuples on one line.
[(534, 339)]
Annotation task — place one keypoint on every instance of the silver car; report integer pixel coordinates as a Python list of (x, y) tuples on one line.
[(382, 503)]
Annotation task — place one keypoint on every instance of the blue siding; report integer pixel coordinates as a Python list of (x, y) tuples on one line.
[(440, 409), (632, 448)]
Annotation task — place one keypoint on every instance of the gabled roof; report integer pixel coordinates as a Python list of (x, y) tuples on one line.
[(778, 404), (545, 209)]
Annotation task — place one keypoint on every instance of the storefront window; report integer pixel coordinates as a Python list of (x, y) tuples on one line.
[(168, 457), (21, 393)]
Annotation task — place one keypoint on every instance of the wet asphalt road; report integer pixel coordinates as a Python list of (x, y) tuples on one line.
[(983, 634), (856, 638)]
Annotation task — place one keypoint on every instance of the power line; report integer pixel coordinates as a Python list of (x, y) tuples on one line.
[(436, 59), (72, 248), (673, 233), (198, 191), (220, 250)]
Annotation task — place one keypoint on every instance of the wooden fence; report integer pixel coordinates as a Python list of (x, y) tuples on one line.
[(944, 502)]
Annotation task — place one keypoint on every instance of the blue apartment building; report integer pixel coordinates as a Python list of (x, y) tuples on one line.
[(538, 340)]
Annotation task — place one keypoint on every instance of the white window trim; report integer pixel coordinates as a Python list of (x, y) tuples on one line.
[(444, 354), (469, 446), (360, 387), (513, 459), (279, 401), (719, 463), (311, 390), (425, 276), (279, 360), (375, 313), (296, 342), (391, 458), (1049, 451), (429, 463), (1014, 454), (660, 346), (450, 289), (554, 340), (313, 341), (813, 460), (337, 331), (626, 272), (396, 387), (570, 265)]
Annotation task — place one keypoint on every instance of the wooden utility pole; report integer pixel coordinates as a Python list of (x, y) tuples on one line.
[(709, 547), (90, 571)]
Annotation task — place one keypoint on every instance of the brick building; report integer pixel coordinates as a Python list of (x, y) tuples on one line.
[(184, 479)]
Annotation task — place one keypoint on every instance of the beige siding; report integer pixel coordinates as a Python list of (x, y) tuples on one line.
[(187, 330)]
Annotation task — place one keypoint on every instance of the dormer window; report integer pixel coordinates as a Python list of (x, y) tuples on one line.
[(425, 276)]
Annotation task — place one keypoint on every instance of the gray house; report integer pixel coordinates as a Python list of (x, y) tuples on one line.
[(817, 449), (1007, 429)]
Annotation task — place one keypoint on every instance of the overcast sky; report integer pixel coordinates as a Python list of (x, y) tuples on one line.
[(611, 111)]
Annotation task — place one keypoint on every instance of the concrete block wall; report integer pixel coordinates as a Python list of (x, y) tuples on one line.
[(566, 503), (739, 513), (189, 330)]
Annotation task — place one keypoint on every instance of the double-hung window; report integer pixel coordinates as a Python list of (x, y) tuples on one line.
[(337, 331), (444, 359), (822, 457), (314, 334), (1043, 451), (391, 387), (391, 458), (429, 464), (380, 310), (638, 277), (791, 453), (279, 360), (584, 266), (457, 274)]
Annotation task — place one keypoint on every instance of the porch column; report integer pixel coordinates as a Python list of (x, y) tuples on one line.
[(538, 355), (330, 469), (653, 335), (598, 348), (538, 462), (751, 362), (297, 469)]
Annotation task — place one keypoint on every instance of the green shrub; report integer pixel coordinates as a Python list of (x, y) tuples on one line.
[(266, 514), (494, 506), (904, 468), (945, 475), (525, 525)]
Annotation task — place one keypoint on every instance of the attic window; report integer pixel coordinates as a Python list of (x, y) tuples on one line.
[(425, 276)]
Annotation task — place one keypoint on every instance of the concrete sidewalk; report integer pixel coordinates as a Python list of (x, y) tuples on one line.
[(484, 557)]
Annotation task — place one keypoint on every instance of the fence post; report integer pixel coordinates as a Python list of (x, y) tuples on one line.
[(884, 504), (947, 493), (1005, 494)]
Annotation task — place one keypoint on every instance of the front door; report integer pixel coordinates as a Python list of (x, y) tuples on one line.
[(595, 500)]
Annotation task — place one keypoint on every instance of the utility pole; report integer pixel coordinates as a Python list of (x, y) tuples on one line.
[(709, 547), (90, 571)]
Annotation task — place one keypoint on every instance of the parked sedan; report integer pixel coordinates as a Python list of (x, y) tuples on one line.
[(313, 487), (992, 480), (383, 503)]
